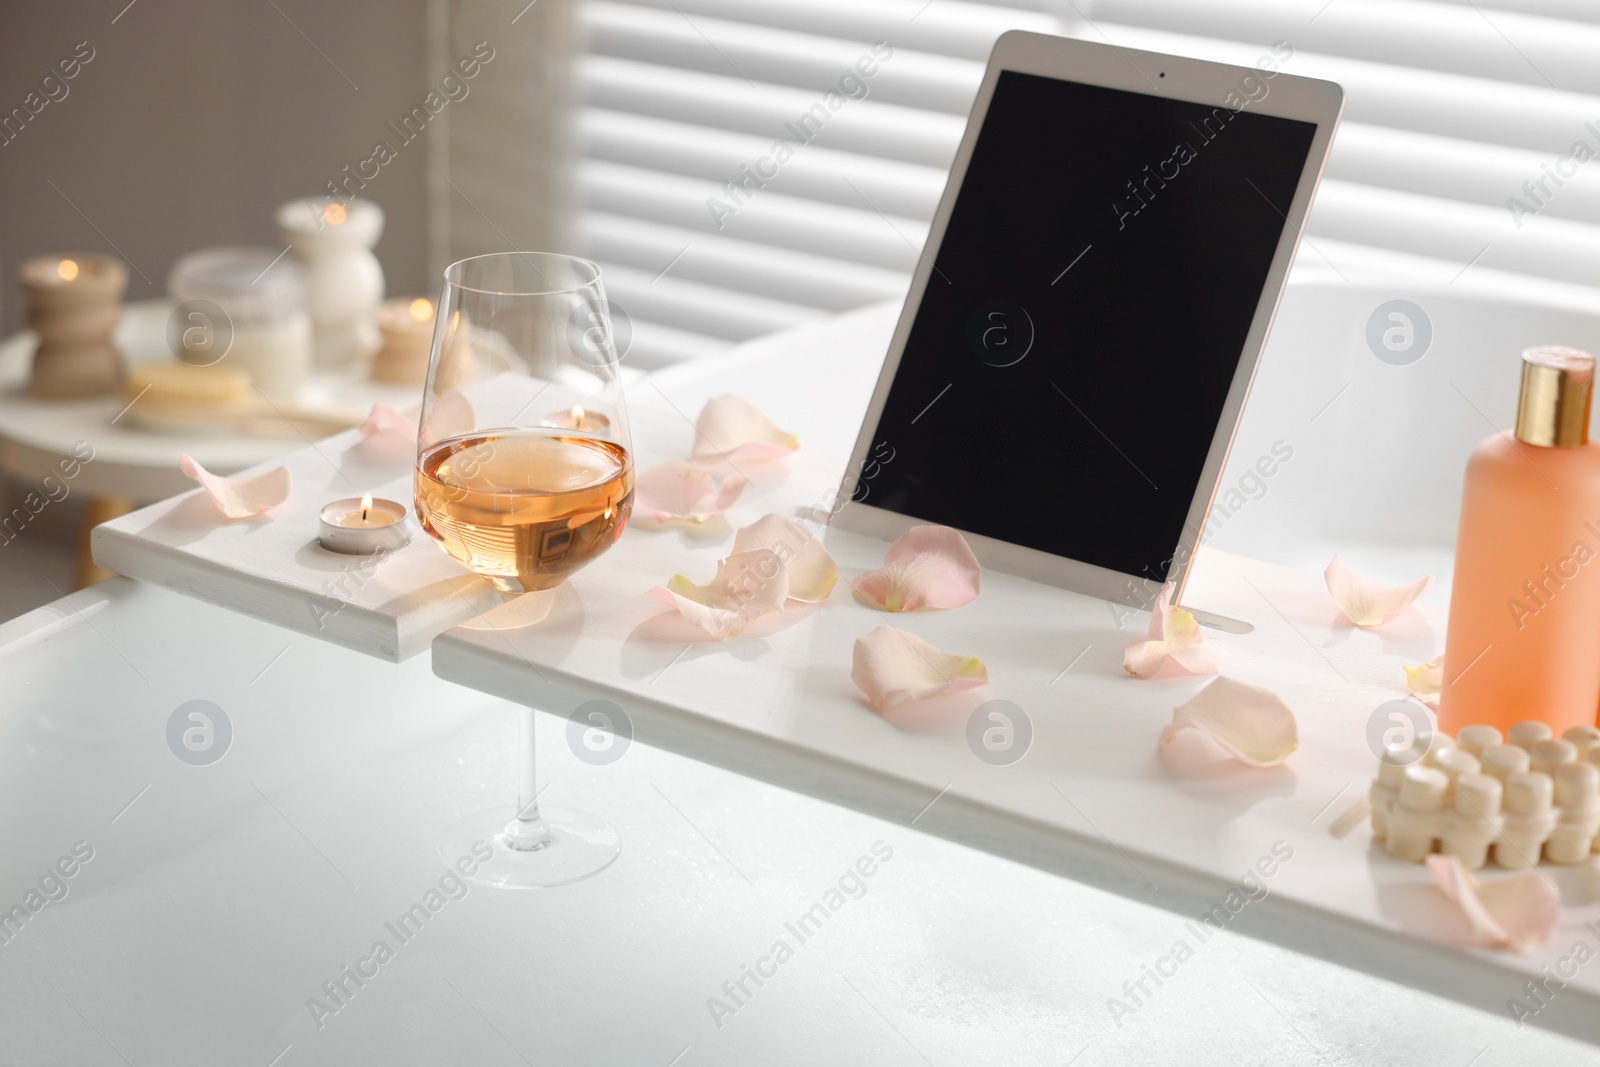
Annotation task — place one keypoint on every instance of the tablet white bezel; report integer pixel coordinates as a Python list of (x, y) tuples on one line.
[(1151, 74)]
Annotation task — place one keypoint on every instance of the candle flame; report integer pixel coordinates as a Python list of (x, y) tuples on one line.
[(421, 309), (68, 269), (334, 214), (366, 506), (577, 416)]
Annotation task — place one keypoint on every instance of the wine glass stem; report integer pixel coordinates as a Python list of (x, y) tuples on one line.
[(526, 832)]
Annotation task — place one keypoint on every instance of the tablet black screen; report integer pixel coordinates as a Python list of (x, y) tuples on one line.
[(1066, 371)]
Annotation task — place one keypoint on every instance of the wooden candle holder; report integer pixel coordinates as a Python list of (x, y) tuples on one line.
[(74, 303)]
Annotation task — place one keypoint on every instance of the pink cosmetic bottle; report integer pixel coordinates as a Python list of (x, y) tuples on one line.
[(1524, 634)]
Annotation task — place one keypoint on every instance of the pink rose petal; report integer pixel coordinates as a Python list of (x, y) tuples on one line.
[(928, 567), (240, 498), (1252, 724), (383, 418), (892, 666), (812, 573), (731, 429), (1425, 681), (682, 491), (1174, 639), (1364, 601), (1518, 913), (388, 435), (748, 587)]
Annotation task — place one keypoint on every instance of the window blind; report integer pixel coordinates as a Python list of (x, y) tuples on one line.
[(746, 165)]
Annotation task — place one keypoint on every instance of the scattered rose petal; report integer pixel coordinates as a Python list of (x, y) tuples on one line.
[(240, 498), (682, 491), (1174, 638), (928, 567), (1518, 913), (1253, 724), (383, 418), (812, 573), (731, 429), (1425, 681), (892, 667), (748, 587), (388, 435), (1364, 601)]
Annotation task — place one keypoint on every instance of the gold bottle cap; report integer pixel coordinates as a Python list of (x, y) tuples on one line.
[(1557, 385)]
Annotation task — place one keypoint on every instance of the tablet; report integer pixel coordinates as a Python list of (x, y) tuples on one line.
[(1083, 325)]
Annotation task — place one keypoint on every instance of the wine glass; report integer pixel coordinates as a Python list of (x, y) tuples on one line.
[(524, 475)]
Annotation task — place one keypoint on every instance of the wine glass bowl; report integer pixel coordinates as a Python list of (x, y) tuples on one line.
[(522, 508), (524, 472)]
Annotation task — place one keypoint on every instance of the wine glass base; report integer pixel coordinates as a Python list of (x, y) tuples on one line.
[(576, 845), (517, 610), (525, 583)]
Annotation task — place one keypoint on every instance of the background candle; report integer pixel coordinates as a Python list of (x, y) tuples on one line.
[(406, 329), (344, 283), (74, 303), (577, 418)]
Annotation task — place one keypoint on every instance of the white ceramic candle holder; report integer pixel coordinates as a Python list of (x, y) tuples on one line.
[(344, 283)]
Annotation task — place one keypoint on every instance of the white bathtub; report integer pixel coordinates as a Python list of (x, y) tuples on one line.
[(1378, 449)]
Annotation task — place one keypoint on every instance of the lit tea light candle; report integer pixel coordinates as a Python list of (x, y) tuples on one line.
[(362, 527), (579, 419), (406, 328)]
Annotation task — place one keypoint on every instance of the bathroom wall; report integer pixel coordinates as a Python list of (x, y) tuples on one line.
[(194, 118)]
